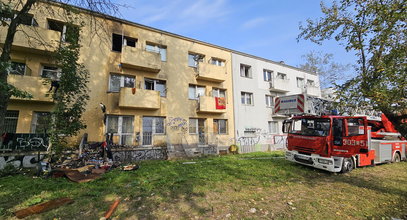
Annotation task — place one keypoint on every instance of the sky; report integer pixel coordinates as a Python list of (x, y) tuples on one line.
[(264, 28)]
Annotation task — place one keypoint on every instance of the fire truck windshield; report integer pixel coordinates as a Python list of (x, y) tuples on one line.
[(310, 127)]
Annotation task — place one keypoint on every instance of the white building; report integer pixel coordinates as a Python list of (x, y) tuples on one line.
[(256, 83)]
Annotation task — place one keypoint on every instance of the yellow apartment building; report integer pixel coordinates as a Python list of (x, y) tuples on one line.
[(157, 88)]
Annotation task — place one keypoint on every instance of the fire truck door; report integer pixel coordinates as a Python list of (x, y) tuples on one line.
[(355, 136)]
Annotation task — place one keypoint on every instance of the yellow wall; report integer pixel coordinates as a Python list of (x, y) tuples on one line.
[(100, 60)]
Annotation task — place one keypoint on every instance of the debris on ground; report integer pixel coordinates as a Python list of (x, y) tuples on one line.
[(130, 167), (111, 210), (75, 175), (43, 207)]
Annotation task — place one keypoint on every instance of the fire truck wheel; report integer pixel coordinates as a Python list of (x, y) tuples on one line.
[(396, 158), (347, 165)]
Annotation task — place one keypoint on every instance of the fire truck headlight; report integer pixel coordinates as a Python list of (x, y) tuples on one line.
[(323, 161)]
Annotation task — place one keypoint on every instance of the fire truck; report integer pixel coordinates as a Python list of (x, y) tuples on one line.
[(336, 143)]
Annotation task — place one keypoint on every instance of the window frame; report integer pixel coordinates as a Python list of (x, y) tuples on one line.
[(269, 101), (155, 82), (196, 125), (302, 84), (196, 91), (11, 121), (13, 70), (122, 80), (282, 76), (218, 92), (34, 121), (196, 62), (161, 49), (244, 96), (249, 71), (217, 61), (219, 126), (268, 75), (120, 132), (272, 125)]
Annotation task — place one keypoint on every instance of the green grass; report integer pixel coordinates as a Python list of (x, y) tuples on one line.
[(216, 187)]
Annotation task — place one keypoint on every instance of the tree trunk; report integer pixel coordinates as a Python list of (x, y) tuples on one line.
[(5, 58)]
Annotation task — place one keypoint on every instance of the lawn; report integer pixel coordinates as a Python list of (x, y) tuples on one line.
[(250, 186)]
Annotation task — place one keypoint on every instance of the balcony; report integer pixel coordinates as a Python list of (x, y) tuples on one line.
[(141, 99), (313, 90), (136, 58), (210, 72), (280, 85), (31, 84), (29, 37), (207, 104)]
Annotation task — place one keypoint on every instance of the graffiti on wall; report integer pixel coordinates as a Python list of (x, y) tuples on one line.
[(138, 155), (177, 124), (26, 161), (24, 142)]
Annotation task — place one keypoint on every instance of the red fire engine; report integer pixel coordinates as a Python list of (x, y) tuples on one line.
[(340, 143)]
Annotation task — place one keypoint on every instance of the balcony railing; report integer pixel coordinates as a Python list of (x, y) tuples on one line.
[(139, 98), (210, 72), (136, 58), (207, 104), (31, 84), (29, 37)]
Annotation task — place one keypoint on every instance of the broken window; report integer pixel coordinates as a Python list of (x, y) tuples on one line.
[(162, 50), (245, 71), (194, 59), (40, 123), (29, 20), (50, 72), (157, 85), (69, 32), (119, 40), (17, 68), (118, 81)]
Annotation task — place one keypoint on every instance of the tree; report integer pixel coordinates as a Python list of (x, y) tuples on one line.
[(376, 31), (328, 71), (12, 16)]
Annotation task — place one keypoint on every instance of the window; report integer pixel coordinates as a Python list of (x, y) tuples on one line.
[(267, 75), (155, 125), (29, 20), (269, 101), (194, 59), (121, 126), (247, 98), (197, 126), (10, 121), (220, 126), (217, 62), (218, 92), (300, 82), (193, 126), (118, 41), (273, 127), (120, 81), (69, 32), (17, 68), (162, 50), (282, 76), (196, 91), (245, 71), (50, 72), (355, 127), (157, 85), (40, 123), (310, 83)]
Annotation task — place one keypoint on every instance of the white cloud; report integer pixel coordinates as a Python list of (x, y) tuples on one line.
[(252, 23)]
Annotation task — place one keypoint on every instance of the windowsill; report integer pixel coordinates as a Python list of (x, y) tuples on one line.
[(113, 92), (116, 51), (247, 77), (247, 105)]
